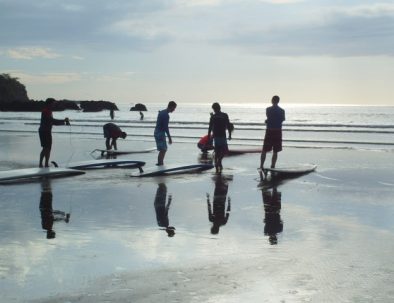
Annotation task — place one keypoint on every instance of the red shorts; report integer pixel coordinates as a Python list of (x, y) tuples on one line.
[(273, 140)]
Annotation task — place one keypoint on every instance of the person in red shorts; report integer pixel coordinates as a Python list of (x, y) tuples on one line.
[(273, 133)]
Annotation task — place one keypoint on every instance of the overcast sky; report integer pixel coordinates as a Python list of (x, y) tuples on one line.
[(129, 51)]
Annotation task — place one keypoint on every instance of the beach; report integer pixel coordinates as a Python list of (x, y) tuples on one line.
[(333, 240)]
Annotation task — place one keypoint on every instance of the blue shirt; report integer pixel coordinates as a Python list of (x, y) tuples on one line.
[(163, 118), (275, 116)]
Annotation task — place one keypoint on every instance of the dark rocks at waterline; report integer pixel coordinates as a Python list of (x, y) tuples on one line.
[(37, 106), (11, 90), (96, 106), (139, 107)]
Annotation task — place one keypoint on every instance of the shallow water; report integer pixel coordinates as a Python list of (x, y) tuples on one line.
[(334, 230)]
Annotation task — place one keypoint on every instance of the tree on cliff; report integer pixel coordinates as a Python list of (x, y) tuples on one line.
[(11, 89)]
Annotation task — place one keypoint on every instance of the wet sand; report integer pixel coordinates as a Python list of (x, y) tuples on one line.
[(329, 240)]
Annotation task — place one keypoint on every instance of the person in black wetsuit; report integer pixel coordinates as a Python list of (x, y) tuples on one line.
[(45, 130), (218, 124), (111, 133)]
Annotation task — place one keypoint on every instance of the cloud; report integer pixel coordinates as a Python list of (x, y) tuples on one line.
[(192, 3), (266, 27), (369, 11), (47, 78), (353, 31), (282, 1), (28, 53), (75, 24)]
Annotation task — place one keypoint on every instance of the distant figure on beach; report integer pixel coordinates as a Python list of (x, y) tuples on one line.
[(205, 144), (273, 133), (112, 114), (111, 133), (45, 130), (48, 215), (218, 124), (161, 130), (141, 116), (162, 209), (219, 214), (272, 206)]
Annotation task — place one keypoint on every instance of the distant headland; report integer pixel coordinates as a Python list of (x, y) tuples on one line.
[(13, 97)]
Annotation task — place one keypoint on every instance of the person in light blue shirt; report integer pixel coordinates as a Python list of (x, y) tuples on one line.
[(161, 130)]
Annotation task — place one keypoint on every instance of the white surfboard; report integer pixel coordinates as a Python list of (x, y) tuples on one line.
[(105, 152), (105, 163), (36, 172), (172, 170)]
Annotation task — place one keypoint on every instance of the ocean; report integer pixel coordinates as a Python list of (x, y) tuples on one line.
[(306, 126), (335, 230)]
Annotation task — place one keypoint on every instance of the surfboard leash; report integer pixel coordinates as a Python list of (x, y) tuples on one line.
[(71, 144)]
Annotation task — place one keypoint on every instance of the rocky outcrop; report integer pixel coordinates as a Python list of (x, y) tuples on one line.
[(13, 97), (96, 106), (11, 90), (139, 107), (37, 106)]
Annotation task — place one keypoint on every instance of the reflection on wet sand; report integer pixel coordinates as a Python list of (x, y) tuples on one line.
[(48, 215), (219, 214), (272, 206), (162, 206)]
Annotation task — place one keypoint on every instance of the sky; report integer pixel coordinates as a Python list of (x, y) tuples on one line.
[(129, 51)]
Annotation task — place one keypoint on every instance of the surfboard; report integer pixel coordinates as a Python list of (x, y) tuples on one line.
[(104, 152), (106, 163), (36, 172), (166, 170), (290, 171)]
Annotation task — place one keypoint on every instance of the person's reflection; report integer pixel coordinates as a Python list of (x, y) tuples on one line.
[(272, 205), (219, 214), (162, 207), (48, 215)]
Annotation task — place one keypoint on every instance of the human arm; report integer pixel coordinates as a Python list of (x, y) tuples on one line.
[(210, 129), (229, 127), (65, 121)]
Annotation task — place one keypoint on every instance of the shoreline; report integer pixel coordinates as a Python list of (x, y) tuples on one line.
[(114, 250)]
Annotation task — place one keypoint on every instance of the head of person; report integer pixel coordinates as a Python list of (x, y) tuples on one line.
[(171, 106), (216, 107), (123, 135), (275, 99), (49, 102)]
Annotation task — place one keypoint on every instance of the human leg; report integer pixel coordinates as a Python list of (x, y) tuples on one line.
[(160, 157), (107, 145), (274, 158), (41, 156), (262, 159), (46, 143), (46, 155)]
